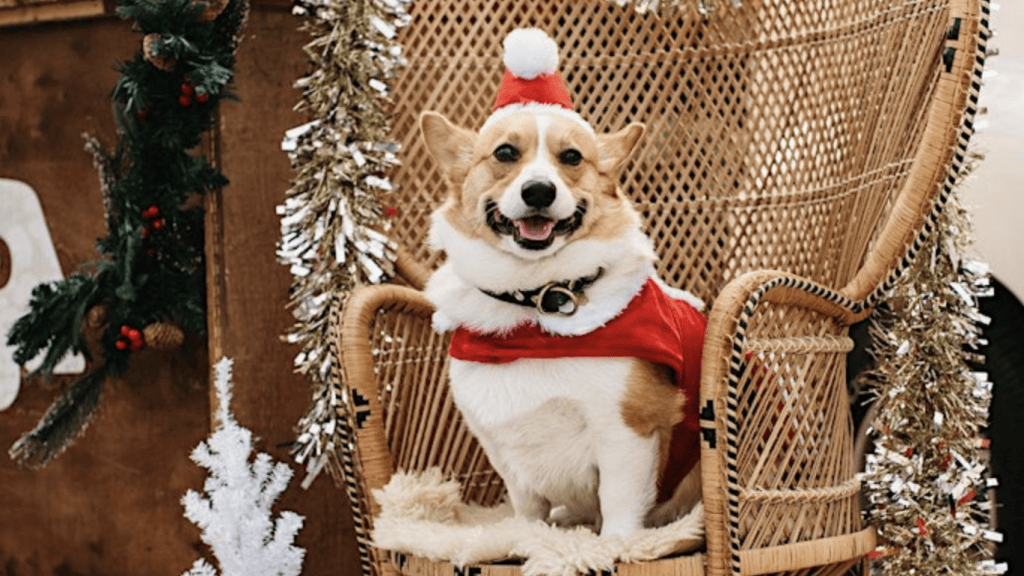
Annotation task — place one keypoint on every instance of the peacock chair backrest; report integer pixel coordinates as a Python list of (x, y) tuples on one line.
[(794, 155), (778, 132)]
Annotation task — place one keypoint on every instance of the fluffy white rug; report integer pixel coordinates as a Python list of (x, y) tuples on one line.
[(422, 514)]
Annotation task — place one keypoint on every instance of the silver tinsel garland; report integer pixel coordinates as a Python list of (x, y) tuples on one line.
[(332, 230), (926, 481)]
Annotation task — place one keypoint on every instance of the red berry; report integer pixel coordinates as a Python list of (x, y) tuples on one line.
[(185, 100), (134, 335), (391, 210), (137, 345), (125, 329), (151, 212), (202, 97), (158, 224), (121, 344), (187, 89)]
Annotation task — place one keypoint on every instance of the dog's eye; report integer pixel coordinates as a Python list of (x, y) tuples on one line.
[(570, 156), (506, 153)]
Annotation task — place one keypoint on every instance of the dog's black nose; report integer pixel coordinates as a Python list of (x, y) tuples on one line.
[(538, 193)]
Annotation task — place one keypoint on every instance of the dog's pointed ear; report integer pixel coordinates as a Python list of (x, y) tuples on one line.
[(450, 145), (618, 147)]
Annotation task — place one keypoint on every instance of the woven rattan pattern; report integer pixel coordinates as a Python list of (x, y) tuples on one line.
[(795, 432), (776, 133), (421, 423)]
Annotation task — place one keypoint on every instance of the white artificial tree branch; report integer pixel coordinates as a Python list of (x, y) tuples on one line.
[(235, 511)]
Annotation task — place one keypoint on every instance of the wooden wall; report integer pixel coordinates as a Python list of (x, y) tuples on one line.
[(111, 504), (253, 288)]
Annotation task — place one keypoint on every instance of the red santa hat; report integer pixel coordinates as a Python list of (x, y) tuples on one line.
[(532, 81)]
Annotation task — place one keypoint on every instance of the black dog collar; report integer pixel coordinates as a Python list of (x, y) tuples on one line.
[(552, 297)]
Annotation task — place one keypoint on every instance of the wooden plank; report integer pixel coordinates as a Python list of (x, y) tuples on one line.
[(12, 15), (110, 504), (248, 288)]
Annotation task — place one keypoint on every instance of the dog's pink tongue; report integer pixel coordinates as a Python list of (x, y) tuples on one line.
[(535, 228)]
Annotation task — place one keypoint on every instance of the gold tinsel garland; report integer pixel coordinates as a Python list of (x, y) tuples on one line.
[(926, 481), (332, 230)]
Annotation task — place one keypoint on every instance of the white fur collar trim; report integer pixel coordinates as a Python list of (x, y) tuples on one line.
[(680, 294), (454, 289)]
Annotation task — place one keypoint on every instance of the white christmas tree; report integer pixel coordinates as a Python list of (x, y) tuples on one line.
[(235, 511)]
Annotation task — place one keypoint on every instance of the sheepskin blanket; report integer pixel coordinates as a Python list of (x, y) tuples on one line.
[(422, 514)]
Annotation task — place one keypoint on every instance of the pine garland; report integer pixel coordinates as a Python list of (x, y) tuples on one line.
[(332, 220), (151, 274), (926, 480)]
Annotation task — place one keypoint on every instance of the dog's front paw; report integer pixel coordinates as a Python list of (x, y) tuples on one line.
[(622, 529)]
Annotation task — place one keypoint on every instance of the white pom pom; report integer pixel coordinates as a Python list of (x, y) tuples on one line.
[(530, 52)]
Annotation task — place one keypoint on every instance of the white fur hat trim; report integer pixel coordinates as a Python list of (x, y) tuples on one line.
[(536, 108), (530, 52)]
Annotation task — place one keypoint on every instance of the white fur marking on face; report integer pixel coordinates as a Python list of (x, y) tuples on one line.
[(540, 168)]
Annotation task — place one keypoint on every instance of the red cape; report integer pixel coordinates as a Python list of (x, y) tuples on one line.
[(653, 327)]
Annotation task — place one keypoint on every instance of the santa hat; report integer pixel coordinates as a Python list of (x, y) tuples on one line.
[(532, 81)]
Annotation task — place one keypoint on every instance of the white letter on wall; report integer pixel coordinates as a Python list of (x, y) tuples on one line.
[(27, 258)]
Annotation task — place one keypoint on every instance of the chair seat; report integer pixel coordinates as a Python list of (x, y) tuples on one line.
[(800, 556), (688, 565)]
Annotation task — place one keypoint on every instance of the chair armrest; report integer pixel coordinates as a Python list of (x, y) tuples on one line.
[(394, 369), (358, 336), (412, 271), (777, 441)]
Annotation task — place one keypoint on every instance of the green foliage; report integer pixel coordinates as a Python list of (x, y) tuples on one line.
[(62, 422), (151, 267), (54, 322)]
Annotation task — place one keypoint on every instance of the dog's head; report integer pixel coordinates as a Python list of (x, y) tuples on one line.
[(531, 182)]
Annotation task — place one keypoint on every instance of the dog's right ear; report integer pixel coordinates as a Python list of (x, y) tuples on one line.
[(450, 145)]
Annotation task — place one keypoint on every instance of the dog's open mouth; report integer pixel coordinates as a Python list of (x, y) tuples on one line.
[(535, 232), (535, 228)]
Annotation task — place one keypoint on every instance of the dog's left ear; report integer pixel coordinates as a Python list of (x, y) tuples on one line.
[(616, 148), (449, 144)]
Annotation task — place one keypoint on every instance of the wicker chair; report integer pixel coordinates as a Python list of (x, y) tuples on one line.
[(795, 155)]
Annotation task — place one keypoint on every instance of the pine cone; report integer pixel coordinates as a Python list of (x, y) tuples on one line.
[(165, 64), (163, 335), (213, 9), (96, 317)]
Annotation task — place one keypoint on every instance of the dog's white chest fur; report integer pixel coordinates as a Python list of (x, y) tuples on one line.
[(549, 423)]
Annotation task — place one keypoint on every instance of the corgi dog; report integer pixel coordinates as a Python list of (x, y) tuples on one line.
[(574, 366)]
